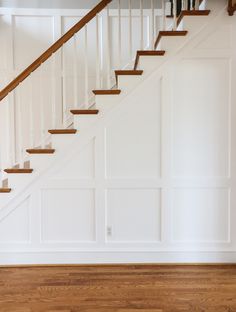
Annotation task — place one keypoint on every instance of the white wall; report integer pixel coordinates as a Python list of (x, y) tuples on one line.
[(153, 179)]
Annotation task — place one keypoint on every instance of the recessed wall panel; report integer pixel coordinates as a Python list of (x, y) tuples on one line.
[(200, 116), (200, 215), (133, 138), (68, 215), (15, 227), (134, 215)]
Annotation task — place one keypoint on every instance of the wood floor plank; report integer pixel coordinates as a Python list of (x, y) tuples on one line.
[(117, 288)]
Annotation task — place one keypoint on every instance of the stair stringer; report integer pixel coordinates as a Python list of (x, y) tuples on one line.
[(46, 179)]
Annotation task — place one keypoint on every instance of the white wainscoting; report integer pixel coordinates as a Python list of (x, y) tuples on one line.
[(151, 181)]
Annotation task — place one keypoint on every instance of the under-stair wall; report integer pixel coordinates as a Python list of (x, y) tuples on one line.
[(151, 177)]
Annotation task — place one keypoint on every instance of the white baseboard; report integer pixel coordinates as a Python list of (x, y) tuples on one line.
[(28, 258)]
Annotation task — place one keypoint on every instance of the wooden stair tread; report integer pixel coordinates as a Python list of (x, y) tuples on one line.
[(169, 33), (107, 92), (128, 72), (192, 13), (147, 53), (5, 190), (62, 131), (40, 151), (84, 111), (18, 170)]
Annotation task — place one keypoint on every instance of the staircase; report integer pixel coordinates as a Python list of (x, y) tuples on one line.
[(33, 152), (18, 161)]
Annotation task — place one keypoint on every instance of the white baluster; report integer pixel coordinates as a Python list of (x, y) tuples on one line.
[(11, 129), (130, 31), (9, 132), (75, 69), (119, 34), (174, 14), (54, 100), (19, 128), (42, 113), (31, 113), (163, 15), (108, 60), (184, 4), (64, 93), (141, 25), (197, 4), (152, 26), (191, 5), (86, 86), (98, 58)]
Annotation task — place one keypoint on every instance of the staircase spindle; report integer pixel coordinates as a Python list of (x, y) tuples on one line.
[(108, 59), (75, 70), (197, 4), (98, 57), (31, 111), (163, 15), (119, 34), (174, 14), (10, 162), (54, 100), (191, 4), (13, 127), (19, 129), (185, 5), (42, 113), (64, 93), (86, 78), (141, 26), (152, 26), (130, 31)]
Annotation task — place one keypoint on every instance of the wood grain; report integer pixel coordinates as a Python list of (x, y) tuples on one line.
[(40, 151), (18, 170), (5, 190), (117, 288), (231, 7), (62, 131), (107, 92), (84, 111)]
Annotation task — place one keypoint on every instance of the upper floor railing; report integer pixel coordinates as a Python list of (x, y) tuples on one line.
[(231, 7)]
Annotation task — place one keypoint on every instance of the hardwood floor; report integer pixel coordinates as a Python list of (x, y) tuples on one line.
[(128, 288)]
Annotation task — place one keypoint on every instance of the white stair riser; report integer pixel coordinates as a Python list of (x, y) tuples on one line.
[(171, 43), (82, 122), (107, 99), (191, 23), (148, 63), (39, 160), (18, 180), (127, 83), (60, 141)]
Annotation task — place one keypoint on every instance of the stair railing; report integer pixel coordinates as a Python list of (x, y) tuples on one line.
[(63, 77), (231, 7)]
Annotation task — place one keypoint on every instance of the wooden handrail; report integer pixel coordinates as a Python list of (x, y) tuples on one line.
[(231, 7), (56, 46)]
